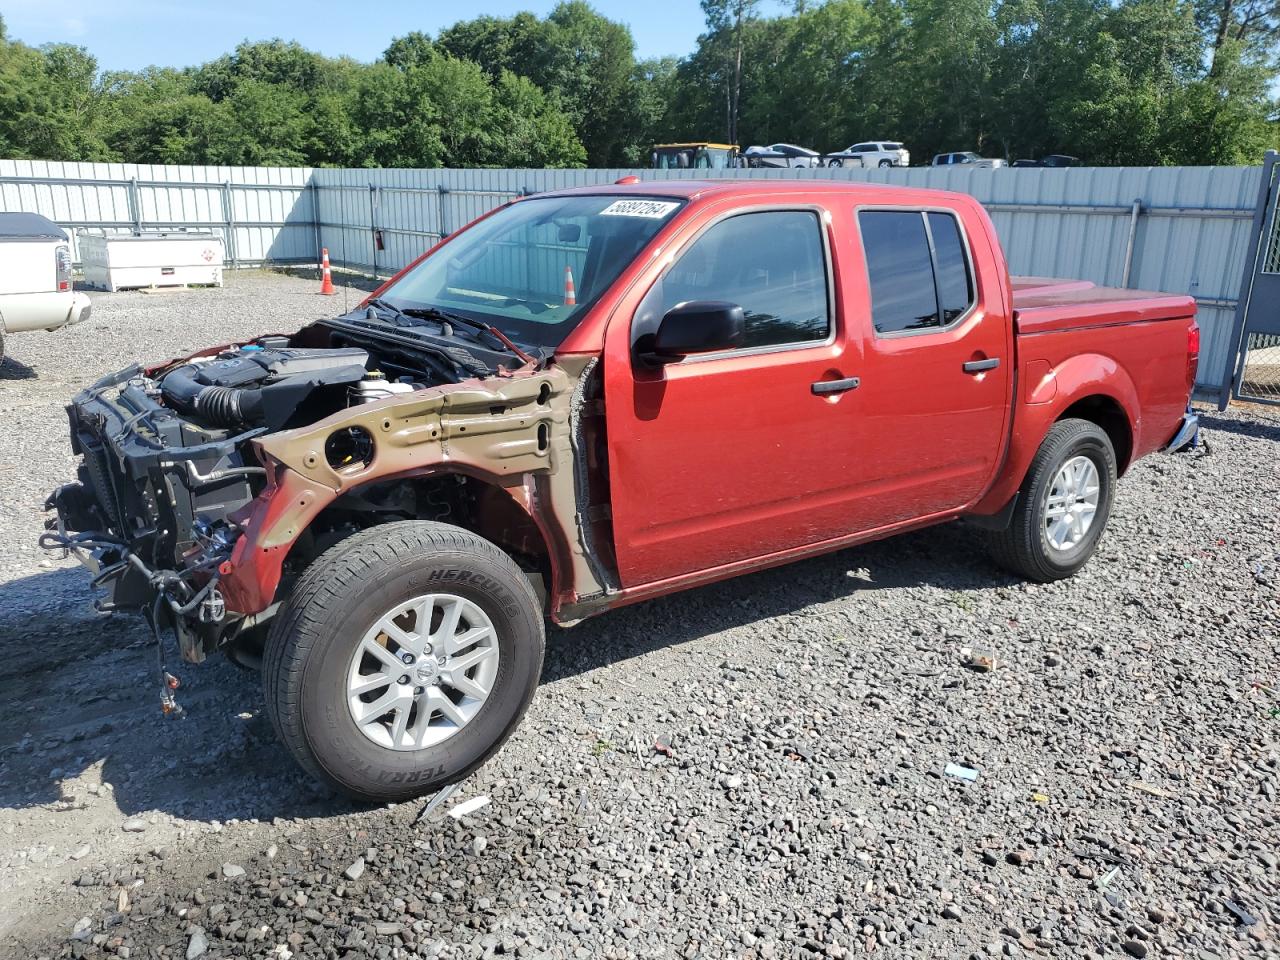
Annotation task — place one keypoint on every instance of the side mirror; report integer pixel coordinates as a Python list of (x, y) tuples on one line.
[(696, 326)]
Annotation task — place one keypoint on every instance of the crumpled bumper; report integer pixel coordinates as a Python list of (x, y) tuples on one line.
[(1188, 434)]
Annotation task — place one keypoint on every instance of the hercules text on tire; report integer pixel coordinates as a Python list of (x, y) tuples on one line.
[(1063, 504), (403, 659)]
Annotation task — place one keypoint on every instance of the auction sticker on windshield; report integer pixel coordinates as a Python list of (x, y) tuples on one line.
[(650, 209)]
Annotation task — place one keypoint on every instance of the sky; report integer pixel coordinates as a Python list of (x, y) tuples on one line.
[(132, 34)]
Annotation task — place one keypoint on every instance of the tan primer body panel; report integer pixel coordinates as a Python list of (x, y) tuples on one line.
[(512, 431)]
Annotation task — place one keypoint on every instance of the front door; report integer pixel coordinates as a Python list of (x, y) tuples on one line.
[(733, 456)]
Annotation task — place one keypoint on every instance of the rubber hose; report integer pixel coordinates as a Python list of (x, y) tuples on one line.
[(222, 406)]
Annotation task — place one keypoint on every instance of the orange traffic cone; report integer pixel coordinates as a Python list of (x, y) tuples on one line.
[(570, 296), (326, 278)]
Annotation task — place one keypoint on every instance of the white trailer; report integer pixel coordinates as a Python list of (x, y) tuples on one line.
[(151, 260)]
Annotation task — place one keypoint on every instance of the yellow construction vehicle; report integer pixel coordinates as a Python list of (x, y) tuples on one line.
[(695, 156)]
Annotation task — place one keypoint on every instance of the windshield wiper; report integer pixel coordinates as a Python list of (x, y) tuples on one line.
[(448, 321), (399, 317), (476, 326)]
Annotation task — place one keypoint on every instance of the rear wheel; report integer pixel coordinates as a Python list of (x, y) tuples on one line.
[(886, 163), (403, 659), (1063, 505)]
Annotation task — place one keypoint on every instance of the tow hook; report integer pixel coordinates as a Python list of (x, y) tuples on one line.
[(213, 608)]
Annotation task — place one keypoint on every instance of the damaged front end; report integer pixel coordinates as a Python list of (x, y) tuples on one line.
[(208, 484), (167, 461), (173, 474)]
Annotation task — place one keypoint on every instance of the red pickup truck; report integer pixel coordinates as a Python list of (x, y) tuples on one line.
[(592, 397)]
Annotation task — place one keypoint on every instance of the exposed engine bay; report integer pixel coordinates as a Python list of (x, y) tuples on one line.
[(169, 465)]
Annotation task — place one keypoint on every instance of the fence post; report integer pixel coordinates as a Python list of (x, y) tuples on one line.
[(135, 209), (373, 228), (441, 192), (229, 216), (314, 189), (1133, 235)]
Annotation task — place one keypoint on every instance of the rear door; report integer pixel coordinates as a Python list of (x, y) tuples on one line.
[(735, 455), (935, 386)]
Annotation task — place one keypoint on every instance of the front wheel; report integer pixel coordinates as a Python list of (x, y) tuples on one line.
[(835, 163), (403, 659), (1063, 505), (886, 163)]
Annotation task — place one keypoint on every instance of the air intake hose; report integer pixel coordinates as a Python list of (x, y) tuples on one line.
[(221, 406)]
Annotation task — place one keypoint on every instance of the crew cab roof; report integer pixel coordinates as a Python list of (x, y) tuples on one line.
[(29, 226), (703, 189)]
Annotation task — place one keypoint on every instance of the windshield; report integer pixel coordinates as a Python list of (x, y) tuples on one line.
[(535, 268), (672, 159)]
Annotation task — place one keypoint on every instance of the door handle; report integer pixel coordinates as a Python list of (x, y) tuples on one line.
[(977, 366), (823, 387)]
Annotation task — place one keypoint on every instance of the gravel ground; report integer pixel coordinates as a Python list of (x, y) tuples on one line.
[(754, 769)]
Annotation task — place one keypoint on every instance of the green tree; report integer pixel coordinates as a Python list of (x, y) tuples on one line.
[(411, 50), (529, 130), (580, 59), (727, 23), (49, 102)]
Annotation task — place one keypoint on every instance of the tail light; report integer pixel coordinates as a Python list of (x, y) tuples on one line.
[(62, 267), (1193, 354)]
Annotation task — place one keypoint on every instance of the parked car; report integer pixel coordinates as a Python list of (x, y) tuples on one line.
[(874, 153), (781, 155), (398, 496), (1052, 160), (35, 277), (967, 157)]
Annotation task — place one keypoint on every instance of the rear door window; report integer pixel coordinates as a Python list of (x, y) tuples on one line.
[(918, 270), (772, 263), (951, 267)]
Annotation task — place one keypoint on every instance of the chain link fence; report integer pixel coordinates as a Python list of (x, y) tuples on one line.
[(1260, 379)]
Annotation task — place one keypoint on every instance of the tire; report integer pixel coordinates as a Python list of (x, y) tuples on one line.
[(886, 163), (311, 662), (1025, 547), (835, 163)]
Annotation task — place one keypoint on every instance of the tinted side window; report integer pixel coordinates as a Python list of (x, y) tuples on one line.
[(899, 269), (955, 287), (917, 269), (771, 263)]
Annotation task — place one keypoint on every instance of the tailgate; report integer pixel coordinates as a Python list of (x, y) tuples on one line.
[(1043, 305)]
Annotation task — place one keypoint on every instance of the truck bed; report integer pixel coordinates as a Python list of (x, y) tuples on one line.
[(1042, 305)]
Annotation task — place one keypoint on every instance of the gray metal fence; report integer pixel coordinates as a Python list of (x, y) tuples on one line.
[(262, 214), (1179, 229)]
